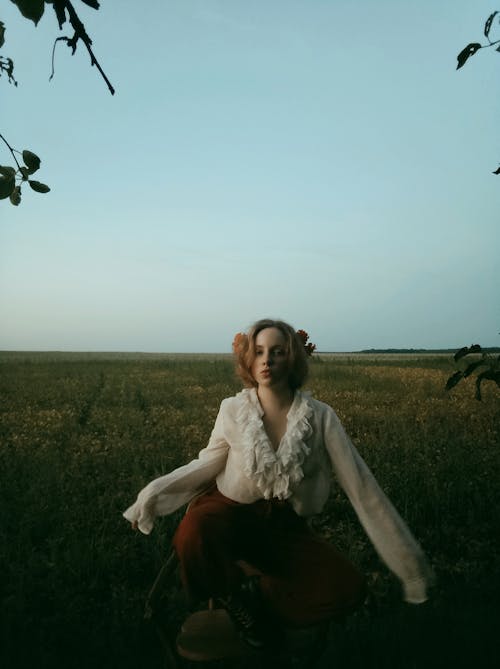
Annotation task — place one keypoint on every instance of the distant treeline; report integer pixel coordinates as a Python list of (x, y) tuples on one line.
[(378, 351)]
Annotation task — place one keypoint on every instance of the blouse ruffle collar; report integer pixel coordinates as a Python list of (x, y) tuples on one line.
[(274, 472)]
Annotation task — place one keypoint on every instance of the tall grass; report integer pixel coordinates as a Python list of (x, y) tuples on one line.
[(81, 434)]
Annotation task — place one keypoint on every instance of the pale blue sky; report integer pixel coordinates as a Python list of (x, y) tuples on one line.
[(321, 161)]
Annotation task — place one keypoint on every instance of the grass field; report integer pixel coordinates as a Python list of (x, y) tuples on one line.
[(82, 433)]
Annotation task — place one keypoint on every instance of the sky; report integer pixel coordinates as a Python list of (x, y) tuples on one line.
[(319, 161)]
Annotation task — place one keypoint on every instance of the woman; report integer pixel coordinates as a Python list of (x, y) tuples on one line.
[(267, 468)]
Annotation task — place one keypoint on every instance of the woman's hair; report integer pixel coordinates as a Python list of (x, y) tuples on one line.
[(244, 351)]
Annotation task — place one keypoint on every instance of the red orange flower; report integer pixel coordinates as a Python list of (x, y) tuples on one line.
[(309, 347), (239, 342)]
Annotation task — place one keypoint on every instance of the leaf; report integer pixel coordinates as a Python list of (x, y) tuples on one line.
[(2, 34), (7, 185), (487, 375), (60, 10), (466, 53), (460, 354), (31, 160), (39, 187), (94, 4), (25, 172), (475, 348), (478, 388), (7, 66), (15, 196), (487, 25), (473, 365), (454, 379), (7, 171), (31, 9), (497, 171)]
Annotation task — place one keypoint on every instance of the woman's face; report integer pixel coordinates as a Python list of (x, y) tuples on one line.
[(270, 366)]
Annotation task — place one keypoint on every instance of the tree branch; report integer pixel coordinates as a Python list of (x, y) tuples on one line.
[(487, 46), (81, 33), (11, 150)]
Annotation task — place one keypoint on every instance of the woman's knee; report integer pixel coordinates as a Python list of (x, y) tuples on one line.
[(201, 525)]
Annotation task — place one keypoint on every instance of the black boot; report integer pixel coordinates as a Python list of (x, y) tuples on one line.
[(246, 609)]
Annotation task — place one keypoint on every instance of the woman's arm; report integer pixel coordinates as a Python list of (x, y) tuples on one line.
[(389, 534), (167, 493)]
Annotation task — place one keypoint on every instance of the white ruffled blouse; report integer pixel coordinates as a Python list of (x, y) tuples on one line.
[(275, 473), (241, 460)]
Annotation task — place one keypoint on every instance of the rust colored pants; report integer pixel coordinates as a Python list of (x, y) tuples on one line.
[(303, 579)]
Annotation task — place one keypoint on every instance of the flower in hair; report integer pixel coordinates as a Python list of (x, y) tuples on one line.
[(241, 339), (309, 347), (239, 342)]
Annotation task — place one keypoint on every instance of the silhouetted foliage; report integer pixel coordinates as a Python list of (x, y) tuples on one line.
[(474, 47), (489, 365), (65, 12), (12, 177), (486, 367), (6, 64)]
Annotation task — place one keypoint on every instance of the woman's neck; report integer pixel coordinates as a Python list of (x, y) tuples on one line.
[(279, 398)]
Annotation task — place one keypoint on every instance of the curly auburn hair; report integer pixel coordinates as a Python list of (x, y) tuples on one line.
[(244, 352)]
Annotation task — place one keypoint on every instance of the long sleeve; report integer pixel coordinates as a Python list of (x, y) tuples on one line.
[(167, 493), (387, 531)]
